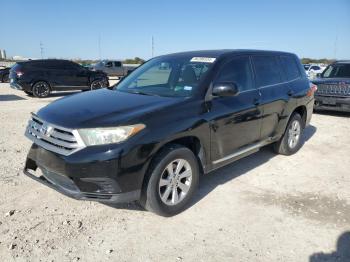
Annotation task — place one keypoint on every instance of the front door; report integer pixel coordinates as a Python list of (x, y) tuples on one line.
[(235, 120)]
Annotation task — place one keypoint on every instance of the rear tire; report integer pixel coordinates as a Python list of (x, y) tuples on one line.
[(171, 182), (97, 84), (41, 89), (290, 142), (5, 78)]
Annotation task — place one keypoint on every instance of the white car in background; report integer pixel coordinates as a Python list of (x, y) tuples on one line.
[(313, 70)]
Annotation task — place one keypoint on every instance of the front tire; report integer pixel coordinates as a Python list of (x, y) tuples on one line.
[(41, 89), (171, 182), (290, 142)]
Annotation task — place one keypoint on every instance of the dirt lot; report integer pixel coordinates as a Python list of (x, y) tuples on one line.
[(265, 207)]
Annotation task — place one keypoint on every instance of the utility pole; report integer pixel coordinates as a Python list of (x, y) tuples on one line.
[(335, 46), (99, 45), (152, 46), (42, 50)]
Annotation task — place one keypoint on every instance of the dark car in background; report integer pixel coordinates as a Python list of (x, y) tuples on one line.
[(41, 77), (172, 119), (333, 87), (4, 74)]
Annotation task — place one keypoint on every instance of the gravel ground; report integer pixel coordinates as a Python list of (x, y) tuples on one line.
[(265, 207)]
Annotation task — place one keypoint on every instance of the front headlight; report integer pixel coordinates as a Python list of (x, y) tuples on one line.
[(109, 135)]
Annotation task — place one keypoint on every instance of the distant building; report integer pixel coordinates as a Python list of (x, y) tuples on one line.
[(2, 54)]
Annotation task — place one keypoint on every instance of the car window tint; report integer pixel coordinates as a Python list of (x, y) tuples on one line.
[(108, 64), (290, 67), (117, 64), (315, 68), (237, 71), (267, 70)]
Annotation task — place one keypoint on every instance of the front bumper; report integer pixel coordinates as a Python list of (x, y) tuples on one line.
[(77, 178), (332, 103)]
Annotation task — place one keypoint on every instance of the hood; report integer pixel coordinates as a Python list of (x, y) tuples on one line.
[(102, 108)]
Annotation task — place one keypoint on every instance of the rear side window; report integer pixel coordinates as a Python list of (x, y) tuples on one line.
[(290, 67), (117, 64), (238, 71), (267, 70)]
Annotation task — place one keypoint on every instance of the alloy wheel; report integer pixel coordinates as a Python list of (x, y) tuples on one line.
[(96, 85), (41, 89), (175, 182), (294, 134)]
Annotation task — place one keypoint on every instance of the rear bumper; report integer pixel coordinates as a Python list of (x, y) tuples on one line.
[(19, 84), (332, 103), (16, 86)]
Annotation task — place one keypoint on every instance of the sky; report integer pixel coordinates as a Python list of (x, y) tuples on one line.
[(124, 29)]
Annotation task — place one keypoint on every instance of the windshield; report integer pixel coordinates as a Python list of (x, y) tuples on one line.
[(167, 76), (337, 71)]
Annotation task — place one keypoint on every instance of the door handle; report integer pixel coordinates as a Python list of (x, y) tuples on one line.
[(290, 93)]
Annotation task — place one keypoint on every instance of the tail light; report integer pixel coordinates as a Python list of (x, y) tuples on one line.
[(312, 89), (19, 73)]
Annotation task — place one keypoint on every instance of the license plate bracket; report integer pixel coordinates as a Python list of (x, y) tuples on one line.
[(329, 101)]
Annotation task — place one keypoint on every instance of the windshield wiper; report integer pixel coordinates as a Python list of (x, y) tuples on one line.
[(142, 93)]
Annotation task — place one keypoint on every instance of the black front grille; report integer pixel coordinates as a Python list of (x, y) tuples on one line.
[(333, 89)]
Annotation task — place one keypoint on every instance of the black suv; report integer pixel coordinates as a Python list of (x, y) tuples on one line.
[(333, 87), (40, 77), (175, 117)]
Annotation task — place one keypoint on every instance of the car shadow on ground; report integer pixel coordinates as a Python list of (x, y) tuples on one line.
[(241, 167), (342, 254), (222, 175)]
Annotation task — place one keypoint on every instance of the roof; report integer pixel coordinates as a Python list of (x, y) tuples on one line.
[(219, 52), (343, 61)]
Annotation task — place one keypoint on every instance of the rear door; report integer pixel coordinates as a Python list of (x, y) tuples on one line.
[(274, 92), (236, 119), (75, 76)]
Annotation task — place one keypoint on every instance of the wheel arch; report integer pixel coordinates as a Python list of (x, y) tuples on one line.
[(191, 142), (41, 80), (302, 111)]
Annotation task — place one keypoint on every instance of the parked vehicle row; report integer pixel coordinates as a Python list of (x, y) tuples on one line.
[(112, 68), (41, 77), (177, 116), (4, 75), (333, 92), (313, 70)]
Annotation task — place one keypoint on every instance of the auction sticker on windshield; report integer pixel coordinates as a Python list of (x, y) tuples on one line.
[(203, 59)]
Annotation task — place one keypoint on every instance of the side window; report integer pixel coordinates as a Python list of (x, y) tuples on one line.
[(117, 64), (69, 65), (290, 67), (237, 70), (315, 68), (108, 64), (267, 70)]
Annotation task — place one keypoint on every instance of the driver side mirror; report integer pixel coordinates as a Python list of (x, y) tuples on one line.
[(225, 89)]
